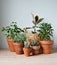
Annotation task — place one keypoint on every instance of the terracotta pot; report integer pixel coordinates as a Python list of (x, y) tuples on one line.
[(27, 51), (35, 50), (32, 36), (10, 44), (19, 47), (47, 46)]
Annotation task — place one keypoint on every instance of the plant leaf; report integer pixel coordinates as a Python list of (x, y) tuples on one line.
[(40, 20)]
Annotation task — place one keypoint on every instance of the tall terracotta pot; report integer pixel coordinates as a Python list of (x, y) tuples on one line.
[(18, 47), (47, 46), (10, 44)]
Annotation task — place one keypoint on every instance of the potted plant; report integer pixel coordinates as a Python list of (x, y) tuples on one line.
[(45, 34), (19, 39), (10, 31), (35, 47), (36, 21), (27, 48)]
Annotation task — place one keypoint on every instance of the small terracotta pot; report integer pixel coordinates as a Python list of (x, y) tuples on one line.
[(47, 46), (26, 51), (10, 44), (19, 47), (35, 50)]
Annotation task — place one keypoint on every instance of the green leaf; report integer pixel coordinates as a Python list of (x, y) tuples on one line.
[(40, 20), (45, 31), (26, 44)]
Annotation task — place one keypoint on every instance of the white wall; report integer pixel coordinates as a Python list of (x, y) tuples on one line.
[(20, 11)]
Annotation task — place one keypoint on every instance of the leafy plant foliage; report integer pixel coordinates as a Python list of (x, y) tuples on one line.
[(19, 37), (34, 43), (45, 31), (11, 30), (36, 21), (26, 44)]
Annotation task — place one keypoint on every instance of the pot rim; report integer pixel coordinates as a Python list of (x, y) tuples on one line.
[(17, 43), (45, 42)]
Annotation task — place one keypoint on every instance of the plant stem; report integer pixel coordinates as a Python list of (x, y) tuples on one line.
[(35, 29)]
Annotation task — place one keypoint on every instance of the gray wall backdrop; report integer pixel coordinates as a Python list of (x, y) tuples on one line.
[(20, 11)]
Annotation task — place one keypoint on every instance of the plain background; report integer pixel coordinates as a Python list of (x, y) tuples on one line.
[(20, 11)]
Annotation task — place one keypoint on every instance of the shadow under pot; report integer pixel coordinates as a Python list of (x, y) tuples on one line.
[(19, 47), (10, 44)]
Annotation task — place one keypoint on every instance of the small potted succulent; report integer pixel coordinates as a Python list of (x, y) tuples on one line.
[(45, 34), (27, 48), (35, 47), (19, 39)]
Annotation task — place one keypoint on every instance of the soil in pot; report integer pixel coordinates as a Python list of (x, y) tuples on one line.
[(10, 44), (19, 47), (47, 46)]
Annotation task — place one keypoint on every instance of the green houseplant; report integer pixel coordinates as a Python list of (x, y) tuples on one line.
[(10, 31), (35, 47), (27, 48), (19, 39), (45, 34), (36, 20)]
